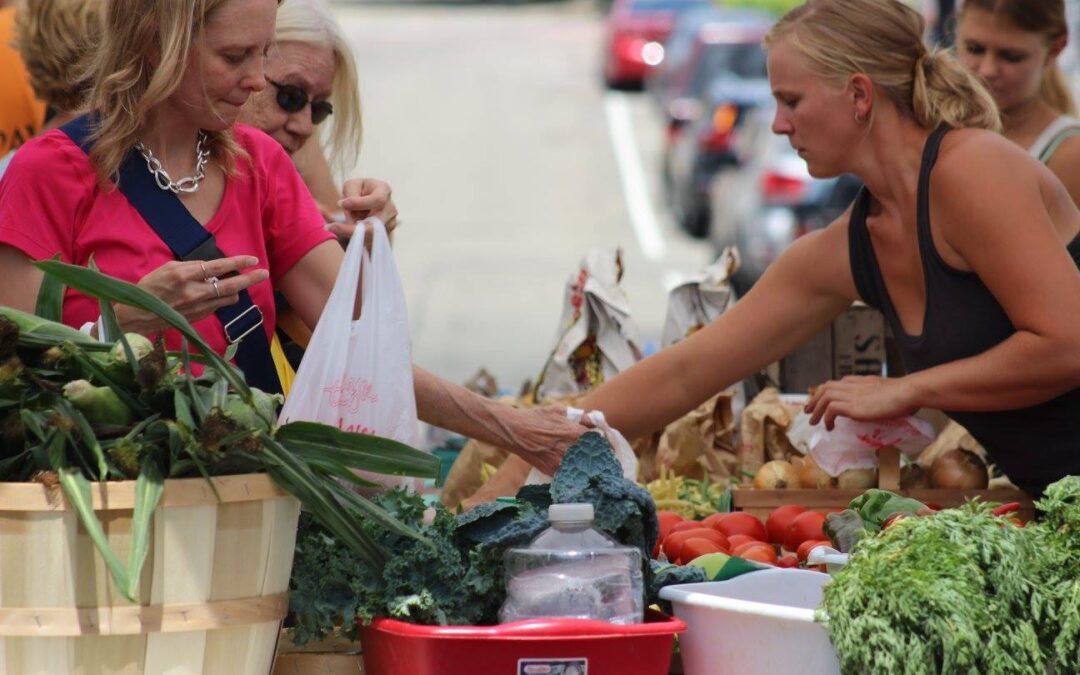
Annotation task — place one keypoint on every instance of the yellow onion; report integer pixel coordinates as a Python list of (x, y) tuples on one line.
[(776, 475), (959, 469), (857, 479), (812, 476)]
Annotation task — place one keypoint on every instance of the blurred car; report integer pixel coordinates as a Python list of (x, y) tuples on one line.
[(770, 199), (706, 145), (704, 43), (635, 31)]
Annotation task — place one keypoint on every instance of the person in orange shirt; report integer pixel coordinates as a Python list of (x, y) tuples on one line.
[(21, 115)]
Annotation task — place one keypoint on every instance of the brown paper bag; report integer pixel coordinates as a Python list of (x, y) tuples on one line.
[(763, 431), (700, 444)]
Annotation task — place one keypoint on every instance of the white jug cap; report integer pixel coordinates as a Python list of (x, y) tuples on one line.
[(570, 512)]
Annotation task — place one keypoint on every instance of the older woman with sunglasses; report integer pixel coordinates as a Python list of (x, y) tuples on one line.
[(312, 81)]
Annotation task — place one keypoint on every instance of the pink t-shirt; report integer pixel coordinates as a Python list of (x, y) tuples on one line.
[(50, 203)]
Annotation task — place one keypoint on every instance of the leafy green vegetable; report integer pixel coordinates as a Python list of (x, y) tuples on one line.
[(1057, 537), (875, 506), (962, 591)]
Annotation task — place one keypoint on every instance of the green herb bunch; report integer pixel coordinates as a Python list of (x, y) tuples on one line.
[(962, 591), (75, 410), (1057, 538)]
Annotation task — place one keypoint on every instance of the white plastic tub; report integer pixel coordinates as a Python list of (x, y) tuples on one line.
[(757, 623)]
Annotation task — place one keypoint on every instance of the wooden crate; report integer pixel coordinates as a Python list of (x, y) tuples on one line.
[(213, 592), (762, 502)]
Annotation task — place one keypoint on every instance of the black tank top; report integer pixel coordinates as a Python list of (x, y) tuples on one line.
[(1034, 446)]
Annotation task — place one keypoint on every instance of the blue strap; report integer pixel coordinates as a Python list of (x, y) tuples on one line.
[(189, 240)]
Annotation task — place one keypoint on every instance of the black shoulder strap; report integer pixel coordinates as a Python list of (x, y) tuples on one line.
[(189, 240)]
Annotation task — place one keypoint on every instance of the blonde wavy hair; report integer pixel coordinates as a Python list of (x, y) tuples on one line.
[(54, 39), (126, 85), (883, 40), (311, 22), (1046, 17)]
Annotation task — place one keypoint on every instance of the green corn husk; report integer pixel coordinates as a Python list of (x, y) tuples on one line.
[(140, 347), (100, 405), (36, 331)]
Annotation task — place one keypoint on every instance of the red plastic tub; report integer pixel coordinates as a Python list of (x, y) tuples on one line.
[(533, 647)]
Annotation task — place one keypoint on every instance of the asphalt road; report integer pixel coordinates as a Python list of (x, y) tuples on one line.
[(508, 161)]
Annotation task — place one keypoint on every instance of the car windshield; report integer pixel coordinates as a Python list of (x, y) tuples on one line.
[(664, 5), (744, 60)]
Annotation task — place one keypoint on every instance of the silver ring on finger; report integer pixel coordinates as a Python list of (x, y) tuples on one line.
[(214, 282)]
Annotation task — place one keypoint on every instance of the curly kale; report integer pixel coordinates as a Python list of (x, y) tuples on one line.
[(456, 575), (622, 508)]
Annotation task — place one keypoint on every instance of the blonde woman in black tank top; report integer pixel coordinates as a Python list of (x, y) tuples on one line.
[(960, 237)]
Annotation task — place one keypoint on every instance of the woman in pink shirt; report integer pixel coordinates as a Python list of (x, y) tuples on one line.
[(173, 96)]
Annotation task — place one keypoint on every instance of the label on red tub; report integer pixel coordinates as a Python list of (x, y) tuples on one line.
[(553, 666)]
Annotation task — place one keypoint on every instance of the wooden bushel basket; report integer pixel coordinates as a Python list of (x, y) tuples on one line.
[(213, 591)]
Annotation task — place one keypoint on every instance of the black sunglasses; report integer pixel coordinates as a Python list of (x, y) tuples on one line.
[(292, 99)]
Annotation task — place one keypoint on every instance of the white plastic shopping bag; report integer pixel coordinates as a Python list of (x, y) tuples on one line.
[(357, 375), (854, 445), (623, 452)]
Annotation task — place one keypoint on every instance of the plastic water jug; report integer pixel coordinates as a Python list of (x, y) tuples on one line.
[(573, 570)]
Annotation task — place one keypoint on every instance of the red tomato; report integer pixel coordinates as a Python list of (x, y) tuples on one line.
[(788, 560), (737, 540), (742, 523), (695, 547), (810, 545), (807, 525), (668, 520), (758, 551), (685, 525), (711, 521), (779, 519), (674, 542)]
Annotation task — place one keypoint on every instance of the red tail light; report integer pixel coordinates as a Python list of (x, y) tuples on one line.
[(780, 188), (718, 139), (629, 47)]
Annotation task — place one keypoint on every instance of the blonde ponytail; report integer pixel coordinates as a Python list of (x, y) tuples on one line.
[(945, 92), (883, 40), (1054, 89)]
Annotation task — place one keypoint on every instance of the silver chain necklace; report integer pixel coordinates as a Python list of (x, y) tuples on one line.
[(188, 184)]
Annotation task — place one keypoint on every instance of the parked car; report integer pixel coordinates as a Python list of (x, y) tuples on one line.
[(770, 199), (706, 146), (635, 31), (703, 43)]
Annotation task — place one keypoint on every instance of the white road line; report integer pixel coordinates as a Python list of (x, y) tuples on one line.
[(635, 188)]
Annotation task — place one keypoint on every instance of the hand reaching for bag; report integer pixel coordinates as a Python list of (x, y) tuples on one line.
[(365, 198), (193, 288), (542, 435)]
